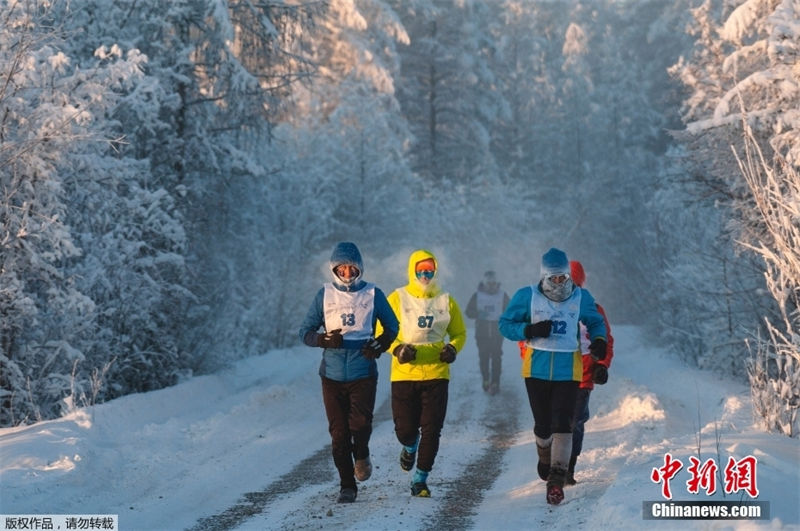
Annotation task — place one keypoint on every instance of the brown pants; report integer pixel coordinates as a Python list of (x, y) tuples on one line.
[(349, 407)]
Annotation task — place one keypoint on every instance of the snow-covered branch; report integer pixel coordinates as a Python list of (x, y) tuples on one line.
[(775, 368)]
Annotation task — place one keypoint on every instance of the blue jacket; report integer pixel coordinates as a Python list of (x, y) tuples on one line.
[(544, 364), (347, 364)]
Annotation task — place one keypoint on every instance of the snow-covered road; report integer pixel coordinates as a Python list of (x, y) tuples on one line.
[(248, 448)]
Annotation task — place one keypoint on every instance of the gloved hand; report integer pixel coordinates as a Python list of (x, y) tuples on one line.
[(600, 375), (332, 339), (540, 329), (597, 349), (448, 354), (372, 349), (405, 352)]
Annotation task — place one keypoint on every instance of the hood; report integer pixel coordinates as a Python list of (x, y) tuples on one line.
[(577, 273), (414, 287), (346, 253)]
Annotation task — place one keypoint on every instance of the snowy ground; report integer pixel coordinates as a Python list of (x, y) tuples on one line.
[(248, 449)]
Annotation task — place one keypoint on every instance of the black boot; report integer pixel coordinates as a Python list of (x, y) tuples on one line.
[(543, 466), (571, 470), (555, 485)]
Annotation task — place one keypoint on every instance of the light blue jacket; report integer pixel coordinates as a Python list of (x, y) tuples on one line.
[(545, 364)]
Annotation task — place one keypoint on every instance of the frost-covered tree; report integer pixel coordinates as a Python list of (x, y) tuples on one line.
[(163, 121), (745, 60), (585, 81), (220, 74), (732, 78), (576, 90), (522, 42), (352, 118), (622, 123), (741, 67), (774, 369), (707, 291), (448, 92), (340, 163), (41, 122), (68, 233)]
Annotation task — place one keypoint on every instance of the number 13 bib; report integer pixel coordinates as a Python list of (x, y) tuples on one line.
[(349, 310)]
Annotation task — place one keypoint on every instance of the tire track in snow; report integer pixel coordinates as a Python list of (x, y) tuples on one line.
[(465, 493), (316, 469), (312, 477)]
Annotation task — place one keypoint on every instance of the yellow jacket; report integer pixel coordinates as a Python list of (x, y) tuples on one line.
[(427, 365)]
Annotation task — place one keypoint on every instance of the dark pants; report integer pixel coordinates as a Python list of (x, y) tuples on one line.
[(552, 404), (349, 407), (579, 420), (490, 355), (420, 407)]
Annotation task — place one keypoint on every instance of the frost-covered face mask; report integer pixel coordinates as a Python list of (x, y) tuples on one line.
[(557, 287), (346, 274)]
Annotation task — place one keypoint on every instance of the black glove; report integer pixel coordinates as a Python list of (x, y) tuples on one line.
[(540, 329), (597, 349), (600, 375), (332, 339), (372, 349), (405, 353), (448, 354)]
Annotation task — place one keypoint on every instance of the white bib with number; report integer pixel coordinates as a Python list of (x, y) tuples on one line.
[(349, 310), (490, 305), (564, 332), (423, 320)]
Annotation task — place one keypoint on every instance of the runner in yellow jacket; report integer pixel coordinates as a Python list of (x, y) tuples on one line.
[(432, 332)]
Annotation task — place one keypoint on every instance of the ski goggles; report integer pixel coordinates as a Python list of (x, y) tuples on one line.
[(426, 273)]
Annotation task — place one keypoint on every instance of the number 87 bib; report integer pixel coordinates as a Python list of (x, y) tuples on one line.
[(423, 320)]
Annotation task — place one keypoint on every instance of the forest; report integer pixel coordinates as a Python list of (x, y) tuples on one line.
[(174, 175)]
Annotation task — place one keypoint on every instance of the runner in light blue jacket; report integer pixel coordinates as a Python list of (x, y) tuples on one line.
[(546, 316)]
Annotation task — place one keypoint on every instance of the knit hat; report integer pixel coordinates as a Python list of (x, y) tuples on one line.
[(554, 262), (577, 273)]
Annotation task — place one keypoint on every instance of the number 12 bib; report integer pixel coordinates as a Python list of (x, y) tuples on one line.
[(564, 333)]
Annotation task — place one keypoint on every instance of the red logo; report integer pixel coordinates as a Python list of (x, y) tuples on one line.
[(738, 475)]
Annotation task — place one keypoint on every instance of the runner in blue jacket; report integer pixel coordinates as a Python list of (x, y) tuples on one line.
[(546, 316), (347, 310)]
